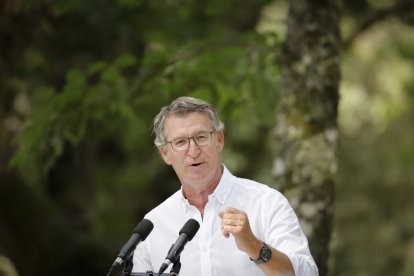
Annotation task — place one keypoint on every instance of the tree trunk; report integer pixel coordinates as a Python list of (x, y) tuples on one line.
[(306, 133)]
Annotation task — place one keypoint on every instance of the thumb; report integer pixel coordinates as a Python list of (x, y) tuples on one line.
[(221, 214)]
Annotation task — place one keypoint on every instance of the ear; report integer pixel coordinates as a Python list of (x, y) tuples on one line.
[(220, 140), (165, 154)]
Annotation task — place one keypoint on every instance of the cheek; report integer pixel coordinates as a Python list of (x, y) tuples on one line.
[(172, 159), (168, 161)]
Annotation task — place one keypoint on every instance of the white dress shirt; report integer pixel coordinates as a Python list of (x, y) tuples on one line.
[(209, 253)]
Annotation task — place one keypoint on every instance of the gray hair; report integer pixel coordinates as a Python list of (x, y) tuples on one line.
[(179, 107)]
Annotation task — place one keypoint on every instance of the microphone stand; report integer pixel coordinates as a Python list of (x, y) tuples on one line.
[(128, 266), (176, 267), (175, 270)]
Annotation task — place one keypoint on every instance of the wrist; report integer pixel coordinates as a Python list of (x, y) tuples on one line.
[(254, 251)]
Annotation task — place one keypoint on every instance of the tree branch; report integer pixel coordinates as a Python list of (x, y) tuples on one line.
[(191, 52), (399, 9)]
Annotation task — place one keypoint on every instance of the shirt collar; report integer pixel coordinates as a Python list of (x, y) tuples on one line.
[(223, 188), (184, 201)]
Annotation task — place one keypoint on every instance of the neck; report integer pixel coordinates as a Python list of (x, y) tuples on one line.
[(199, 200), (198, 197)]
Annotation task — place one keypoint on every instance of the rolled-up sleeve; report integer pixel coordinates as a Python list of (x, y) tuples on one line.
[(284, 233)]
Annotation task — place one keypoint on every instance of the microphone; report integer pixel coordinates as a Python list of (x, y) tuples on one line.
[(187, 233), (140, 233)]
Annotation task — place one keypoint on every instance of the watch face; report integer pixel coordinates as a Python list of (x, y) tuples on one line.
[(266, 253)]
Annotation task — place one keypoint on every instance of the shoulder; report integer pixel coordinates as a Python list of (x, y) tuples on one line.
[(243, 184), (171, 203), (263, 199), (257, 189)]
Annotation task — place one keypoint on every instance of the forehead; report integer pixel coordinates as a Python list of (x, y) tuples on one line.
[(187, 124)]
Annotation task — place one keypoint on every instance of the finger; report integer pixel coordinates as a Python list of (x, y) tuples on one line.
[(227, 229), (224, 231), (229, 212), (231, 229), (232, 210), (233, 221)]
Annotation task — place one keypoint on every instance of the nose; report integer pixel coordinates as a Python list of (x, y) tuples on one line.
[(193, 149)]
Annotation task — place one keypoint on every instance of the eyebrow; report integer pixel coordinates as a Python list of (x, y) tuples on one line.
[(178, 137)]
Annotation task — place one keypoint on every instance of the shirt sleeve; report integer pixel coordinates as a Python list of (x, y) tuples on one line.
[(283, 232)]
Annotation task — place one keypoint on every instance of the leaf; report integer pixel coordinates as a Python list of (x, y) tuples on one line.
[(125, 60)]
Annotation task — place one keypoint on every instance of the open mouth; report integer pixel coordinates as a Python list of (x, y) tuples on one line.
[(196, 164)]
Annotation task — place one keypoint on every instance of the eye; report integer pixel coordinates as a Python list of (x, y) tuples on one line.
[(179, 142), (202, 137)]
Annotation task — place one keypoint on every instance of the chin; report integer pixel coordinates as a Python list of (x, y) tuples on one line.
[(197, 179)]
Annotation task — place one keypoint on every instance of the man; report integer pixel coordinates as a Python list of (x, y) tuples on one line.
[(246, 228)]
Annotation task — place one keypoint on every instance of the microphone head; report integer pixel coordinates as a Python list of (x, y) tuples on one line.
[(144, 228), (190, 228)]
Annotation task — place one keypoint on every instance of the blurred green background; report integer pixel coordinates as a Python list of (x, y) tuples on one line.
[(81, 81)]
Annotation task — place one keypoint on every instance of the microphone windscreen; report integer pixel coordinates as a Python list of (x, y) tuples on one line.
[(144, 228), (190, 228)]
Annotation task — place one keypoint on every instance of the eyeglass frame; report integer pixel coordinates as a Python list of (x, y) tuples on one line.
[(192, 138)]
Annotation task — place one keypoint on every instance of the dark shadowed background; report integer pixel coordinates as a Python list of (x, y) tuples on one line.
[(81, 81)]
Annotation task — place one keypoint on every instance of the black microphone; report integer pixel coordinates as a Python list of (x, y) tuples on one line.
[(140, 233), (187, 233)]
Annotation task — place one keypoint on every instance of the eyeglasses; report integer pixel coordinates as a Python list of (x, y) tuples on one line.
[(201, 139)]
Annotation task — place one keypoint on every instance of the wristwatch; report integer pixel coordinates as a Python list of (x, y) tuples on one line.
[(265, 255)]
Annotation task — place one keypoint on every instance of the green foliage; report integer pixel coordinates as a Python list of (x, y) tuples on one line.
[(104, 94), (97, 72), (375, 203), (63, 117), (373, 229)]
